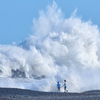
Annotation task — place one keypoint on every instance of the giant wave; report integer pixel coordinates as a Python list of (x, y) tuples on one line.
[(60, 48)]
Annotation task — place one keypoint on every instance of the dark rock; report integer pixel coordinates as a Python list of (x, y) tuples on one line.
[(18, 74), (41, 77), (23, 94)]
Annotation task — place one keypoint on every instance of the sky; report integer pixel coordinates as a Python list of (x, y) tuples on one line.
[(16, 16)]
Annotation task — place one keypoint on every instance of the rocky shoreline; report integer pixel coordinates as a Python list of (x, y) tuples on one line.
[(23, 94)]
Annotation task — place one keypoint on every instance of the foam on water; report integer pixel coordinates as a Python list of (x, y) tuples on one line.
[(59, 49)]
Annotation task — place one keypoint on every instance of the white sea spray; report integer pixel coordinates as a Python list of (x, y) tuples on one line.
[(59, 49)]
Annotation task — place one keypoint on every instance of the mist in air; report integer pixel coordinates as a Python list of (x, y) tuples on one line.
[(60, 48)]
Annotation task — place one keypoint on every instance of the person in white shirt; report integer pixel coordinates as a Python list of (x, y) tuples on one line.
[(65, 86)]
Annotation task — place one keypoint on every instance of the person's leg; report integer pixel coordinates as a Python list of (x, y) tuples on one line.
[(65, 89), (58, 89)]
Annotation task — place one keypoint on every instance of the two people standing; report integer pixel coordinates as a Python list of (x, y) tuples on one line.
[(59, 86)]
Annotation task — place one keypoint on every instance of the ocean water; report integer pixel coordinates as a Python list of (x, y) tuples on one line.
[(59, 49)]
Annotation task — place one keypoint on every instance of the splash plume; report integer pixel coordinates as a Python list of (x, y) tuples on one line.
[(59, 49)]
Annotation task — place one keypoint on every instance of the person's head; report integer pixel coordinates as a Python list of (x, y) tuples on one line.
[(58, 82), (64, 80)]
